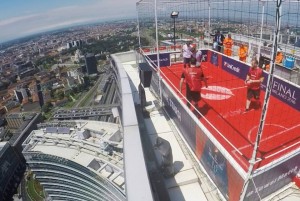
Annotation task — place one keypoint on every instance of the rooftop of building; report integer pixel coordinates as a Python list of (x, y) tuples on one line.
[(26, 116), (190, 177), (93, 144), (2, 144)]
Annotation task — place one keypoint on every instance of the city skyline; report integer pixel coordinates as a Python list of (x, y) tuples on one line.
[(19, 18)]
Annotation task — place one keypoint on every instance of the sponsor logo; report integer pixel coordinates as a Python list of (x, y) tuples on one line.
[(192, 73), (275, 180), (284, 92), (164, 59), (173, 106), (216, 93), (175, 109), (232, 67)]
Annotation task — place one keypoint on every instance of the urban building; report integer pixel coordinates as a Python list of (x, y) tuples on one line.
[(77, 57), (74, 72), (83, 113), (90, 64), (27, 73), (83, 68), (75, 43), (36, 93), (69, 45), (12, 168), (18, 95), (20, 125), (16, 120), (77, 160), (23, 66)]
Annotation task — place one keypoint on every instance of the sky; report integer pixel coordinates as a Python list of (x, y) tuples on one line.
[(20, 18)]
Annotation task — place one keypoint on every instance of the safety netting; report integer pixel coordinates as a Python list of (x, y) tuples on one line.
[(269, 32)]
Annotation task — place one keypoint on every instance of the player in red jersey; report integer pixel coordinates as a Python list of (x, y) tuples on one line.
[(193, 77), (253, 81)]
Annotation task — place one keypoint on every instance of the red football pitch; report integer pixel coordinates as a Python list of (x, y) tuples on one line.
[(222, 107)]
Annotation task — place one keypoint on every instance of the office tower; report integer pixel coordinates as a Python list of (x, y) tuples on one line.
[(11, 171), (91, 64), (39, 93), (69, 45)]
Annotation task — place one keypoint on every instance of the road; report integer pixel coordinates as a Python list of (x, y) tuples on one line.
[(82, 101)]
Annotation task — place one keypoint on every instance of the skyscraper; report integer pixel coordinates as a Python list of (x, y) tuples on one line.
[(90, 63), (11, 170)]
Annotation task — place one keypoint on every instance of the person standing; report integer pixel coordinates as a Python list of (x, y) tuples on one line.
[(243, 52), (228, 43), (253, 81), (198, 56), (279, 56), (219, 39), (187, 54), (278, 60), (193, 77)]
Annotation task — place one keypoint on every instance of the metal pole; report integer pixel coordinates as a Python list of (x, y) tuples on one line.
[(138, 28), (252, 161), (209, 31), (261, 27), (138, 23), (157, 52), (209, 16), (174, 36)]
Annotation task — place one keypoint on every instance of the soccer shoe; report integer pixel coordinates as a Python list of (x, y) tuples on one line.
[(245, 111)]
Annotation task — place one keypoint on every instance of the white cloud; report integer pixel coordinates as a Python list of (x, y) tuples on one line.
[(57, 25), (16, 19), (55, 18)]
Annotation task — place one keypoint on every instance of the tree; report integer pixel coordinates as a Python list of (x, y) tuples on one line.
[(80, 87), (87, 81), (102, 57), (74, 90), (60, 95), (47, 107), (52, 93)]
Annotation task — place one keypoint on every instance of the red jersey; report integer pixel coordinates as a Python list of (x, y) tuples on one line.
[(194, 76), (255, 74)]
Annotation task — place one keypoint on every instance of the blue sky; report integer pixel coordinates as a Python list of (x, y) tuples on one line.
[(25, 17)]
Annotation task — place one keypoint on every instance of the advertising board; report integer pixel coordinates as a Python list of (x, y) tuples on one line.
[(210, 157), (164, 59), (281, 89)]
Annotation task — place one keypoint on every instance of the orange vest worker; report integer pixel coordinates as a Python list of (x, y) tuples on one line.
[(243, 52), (228, 43), (279, 57), (268, 67)]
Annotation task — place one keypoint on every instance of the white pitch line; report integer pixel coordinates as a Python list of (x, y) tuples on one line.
[(250, 131), (282, 150), (287, 129), (276, 134), (238, 88)]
